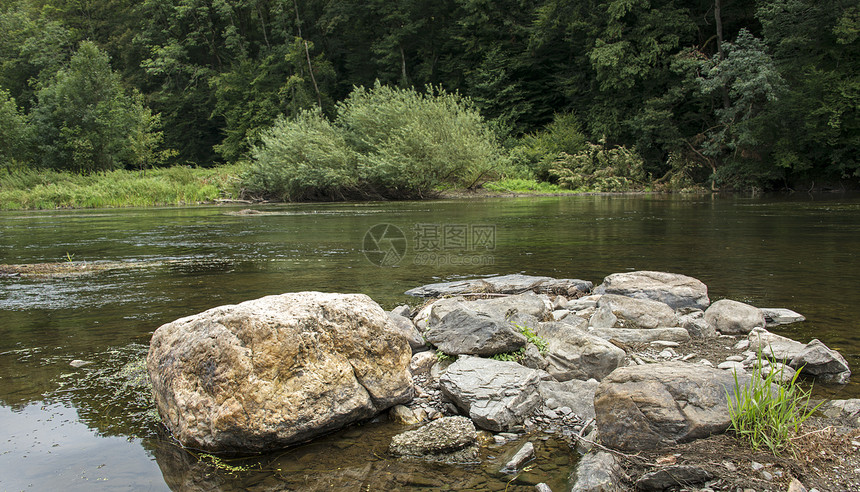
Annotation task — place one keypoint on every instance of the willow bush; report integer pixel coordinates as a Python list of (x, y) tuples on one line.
[(385, 142)]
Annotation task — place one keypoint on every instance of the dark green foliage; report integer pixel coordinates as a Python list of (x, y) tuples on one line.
[(385, 142), (84, 121), (734, 94), (13, 131), (597, 168)]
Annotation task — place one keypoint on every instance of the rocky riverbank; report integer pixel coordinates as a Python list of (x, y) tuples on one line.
[(629, 373)]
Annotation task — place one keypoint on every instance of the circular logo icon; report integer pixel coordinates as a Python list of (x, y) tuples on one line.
[(384, 245)]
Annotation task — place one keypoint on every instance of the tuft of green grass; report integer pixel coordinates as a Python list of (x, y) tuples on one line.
[(516, 185), (47, 189), (768, 414)]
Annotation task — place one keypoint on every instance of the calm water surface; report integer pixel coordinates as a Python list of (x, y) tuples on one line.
[(79, 429)]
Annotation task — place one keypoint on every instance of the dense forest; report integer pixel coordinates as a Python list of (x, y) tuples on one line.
[(721, 93)]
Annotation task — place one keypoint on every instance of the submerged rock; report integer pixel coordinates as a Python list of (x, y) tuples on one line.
[(497, 395), (781, 316), (643, 407), (596, 472), (525, 454), (447, 439), (275, 371), (676, 290), (734, 318)]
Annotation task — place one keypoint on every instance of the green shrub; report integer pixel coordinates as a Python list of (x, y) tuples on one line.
[(537, 152), (385, 142), (598, 168), (301, 159), (766, 414)]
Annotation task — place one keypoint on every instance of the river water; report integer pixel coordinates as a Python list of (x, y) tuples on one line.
[(91, 427)]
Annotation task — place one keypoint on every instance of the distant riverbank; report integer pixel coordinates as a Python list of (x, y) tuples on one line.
[(47, 189)]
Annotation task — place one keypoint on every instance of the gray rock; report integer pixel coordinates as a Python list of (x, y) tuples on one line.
[(734, 318), (782, 372), (628, 336), (643, 407), (596, 472), (603, 317), (731, 365), (693, 320), (583, 303), (275, 371), (573, 353), (542, 487), (525, 454), (447, 439), (502, 308), (533, 359), (773, 346), (571, 287), (77, 363), (576, 395), (672, 476), (820, 361), (505, 284), (463, 331), (560, 314), (637, 313), (409, 332), (670, 288), (781, 316), (402, 310), (497, 395), (846, 412)]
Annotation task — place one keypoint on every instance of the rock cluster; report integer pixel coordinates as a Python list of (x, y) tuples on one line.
[(507, 354)]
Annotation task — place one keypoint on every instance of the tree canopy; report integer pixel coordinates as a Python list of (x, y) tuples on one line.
[(736, 93)]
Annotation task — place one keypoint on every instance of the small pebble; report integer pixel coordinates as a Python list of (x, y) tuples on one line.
[(742, 345)]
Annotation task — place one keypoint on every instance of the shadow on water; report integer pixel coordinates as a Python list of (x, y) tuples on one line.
[(71, 428)]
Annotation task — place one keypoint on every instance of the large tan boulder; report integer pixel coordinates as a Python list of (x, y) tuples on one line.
[(276, 371)]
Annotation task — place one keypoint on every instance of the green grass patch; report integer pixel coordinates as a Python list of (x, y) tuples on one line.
[(767, 414), (515, 185), (47, 189)]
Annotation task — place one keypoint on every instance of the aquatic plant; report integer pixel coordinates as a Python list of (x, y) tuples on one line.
[(765, 413)]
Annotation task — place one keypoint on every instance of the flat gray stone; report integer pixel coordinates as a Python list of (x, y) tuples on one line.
[(503, 284), (774, 347), (676, 290), (781, 316), (497, 395), (525, 454)]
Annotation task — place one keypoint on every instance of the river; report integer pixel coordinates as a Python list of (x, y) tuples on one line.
[(83, 428)]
